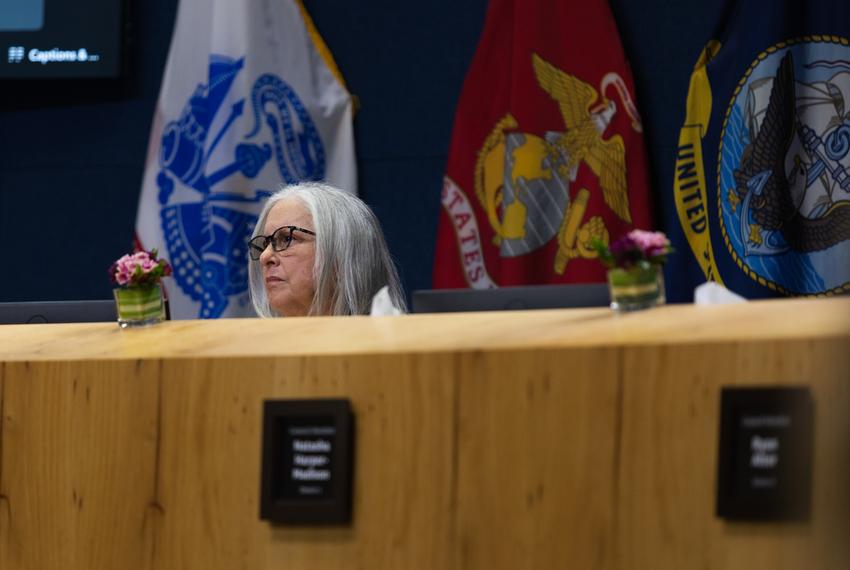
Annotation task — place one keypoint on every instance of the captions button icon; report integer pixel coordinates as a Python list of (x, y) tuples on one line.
[(16, 54)]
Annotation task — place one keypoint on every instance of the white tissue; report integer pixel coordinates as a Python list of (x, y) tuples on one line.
[(712, 293), (382, 305)]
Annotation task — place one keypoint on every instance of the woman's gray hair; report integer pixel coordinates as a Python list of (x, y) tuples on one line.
[(352, 259)]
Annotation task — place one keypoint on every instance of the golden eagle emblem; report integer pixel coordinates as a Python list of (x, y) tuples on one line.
[(523, 180), (585, 124)]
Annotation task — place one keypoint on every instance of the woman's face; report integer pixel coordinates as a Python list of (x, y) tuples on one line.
[(288, 274)]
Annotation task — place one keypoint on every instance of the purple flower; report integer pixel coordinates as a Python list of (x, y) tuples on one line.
[(651, 244), (140, 268), (636, 247), (623, 245)]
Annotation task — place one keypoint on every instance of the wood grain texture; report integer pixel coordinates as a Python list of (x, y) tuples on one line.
[(78, 464), (4, 503), (537, 444), (544, 439), (212, 417), (513, 330), (670, 445)]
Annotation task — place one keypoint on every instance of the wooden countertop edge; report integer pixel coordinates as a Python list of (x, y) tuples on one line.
[(776, 320)]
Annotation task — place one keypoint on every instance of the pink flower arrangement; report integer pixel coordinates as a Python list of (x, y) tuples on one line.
[(638, 247), (139, 269)]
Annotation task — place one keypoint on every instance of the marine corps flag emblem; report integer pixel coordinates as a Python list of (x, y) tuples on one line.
[(547, 151)]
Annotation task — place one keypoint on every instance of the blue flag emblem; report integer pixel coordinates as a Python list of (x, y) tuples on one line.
[(784, 172), (208, 214)]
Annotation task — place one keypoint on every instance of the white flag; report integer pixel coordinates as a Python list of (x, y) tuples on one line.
[(250, 99)]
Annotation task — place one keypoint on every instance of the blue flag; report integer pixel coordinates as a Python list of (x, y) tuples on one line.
[(762, 180), (251, 99)]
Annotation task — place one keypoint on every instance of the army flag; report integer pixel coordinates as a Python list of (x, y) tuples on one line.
[(250, 99), (761, 189), (547, 151)]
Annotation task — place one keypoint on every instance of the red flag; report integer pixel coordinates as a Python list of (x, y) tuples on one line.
[(547, 151)]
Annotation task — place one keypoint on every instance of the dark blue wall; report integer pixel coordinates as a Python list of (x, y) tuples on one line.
[(71, 154), (71, 160)]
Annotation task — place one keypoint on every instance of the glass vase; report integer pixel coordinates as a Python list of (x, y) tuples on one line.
[(139, 306), (638, 287)]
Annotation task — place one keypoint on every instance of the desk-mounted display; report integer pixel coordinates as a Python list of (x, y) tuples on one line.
[(307, 461), (764, 458)]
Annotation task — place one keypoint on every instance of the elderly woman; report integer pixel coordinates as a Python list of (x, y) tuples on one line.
[(317, 250)]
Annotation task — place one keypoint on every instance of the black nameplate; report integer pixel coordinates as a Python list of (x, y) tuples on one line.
[(764, 459), (307, 459)]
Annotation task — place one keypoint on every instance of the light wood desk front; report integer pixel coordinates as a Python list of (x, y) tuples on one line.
[(543, 439)]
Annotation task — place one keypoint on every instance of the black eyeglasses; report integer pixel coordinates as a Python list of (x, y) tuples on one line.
[(280, 239)]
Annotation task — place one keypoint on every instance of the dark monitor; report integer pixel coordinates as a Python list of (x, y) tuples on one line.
[(511, 298), (57, 312), (60, 39)]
